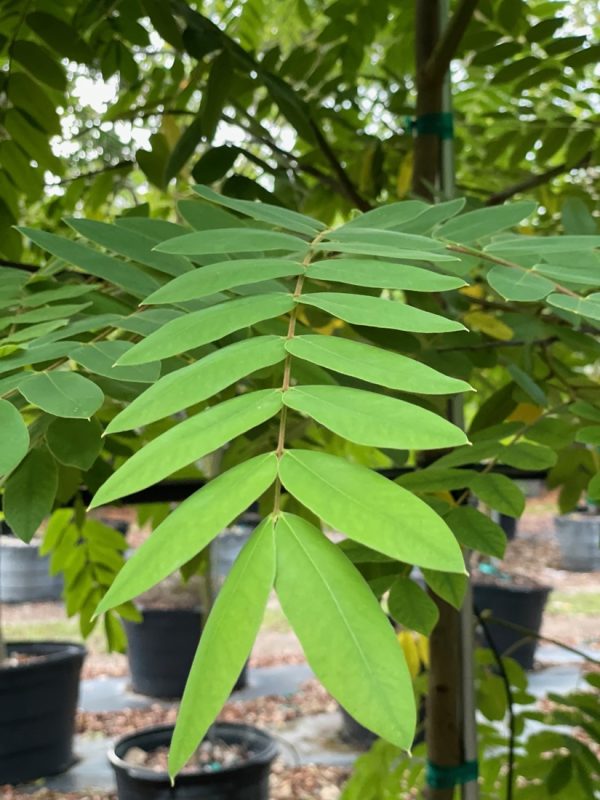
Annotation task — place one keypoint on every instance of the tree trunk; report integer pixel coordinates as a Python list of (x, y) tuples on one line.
[(443, 735)]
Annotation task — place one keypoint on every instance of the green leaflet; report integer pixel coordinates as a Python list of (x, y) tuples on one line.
[(383, 251), (521, 285), (477, 531), (203, 216), (75, 442), (543, 245), (590, 434), (188, 441), (232, 240), (584, 306), (100, 357), (449, 587), (392, 215), (526, 455), (500, 493), (280, 217), (29, 493), (15, 437), (189, 385), (374, 419), (526, 382), (356, 656), (373, 364), (582, 269), (411, 607), (225, 644), (48, 313), (370, 509), (66, 292), (433, 479), (191, 527), (382, 275), (64, 394), (36, 354), (379, 313), (483, 222), (207, 325), (221, 276), (391, 240), (130, 278), (131, 244)]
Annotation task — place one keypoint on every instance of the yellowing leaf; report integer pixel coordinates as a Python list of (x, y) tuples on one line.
[(475, 290), (525, 412), (408, 644), (492, 326), (423, 648), (404, 179)]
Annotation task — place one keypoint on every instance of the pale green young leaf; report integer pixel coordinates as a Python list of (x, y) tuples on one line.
[(483, 222), (265, 212), (500, 493), (75, 442), (130, 278), (385, 238), (64, 394), (225, 643), (191, 527), (411, 607), (29, 493), (222, 276), (373, 364), (188, 441), (232, 240), (374, 419), (379, 313), (448, 586), (189, 385), (356, 656), (15, 437), (477, 531), (383, 251), (370, 509), (583, 306), (100, 357), (207, 325), (382, 275), (522, 285), (131, 244)]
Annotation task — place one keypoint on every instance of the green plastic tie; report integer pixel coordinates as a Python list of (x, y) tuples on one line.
[(441, 125), (449, 777)]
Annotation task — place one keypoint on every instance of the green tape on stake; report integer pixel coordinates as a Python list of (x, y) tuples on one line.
[(449, 777), (441, 125)]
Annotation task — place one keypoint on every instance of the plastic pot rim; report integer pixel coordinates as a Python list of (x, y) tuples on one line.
[(262, 758)]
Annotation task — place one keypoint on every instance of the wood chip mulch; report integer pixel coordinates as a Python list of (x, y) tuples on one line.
[(271, 711)]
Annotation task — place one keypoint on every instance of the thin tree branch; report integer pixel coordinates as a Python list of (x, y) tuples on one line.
[(19, 265), (346, 185), (533, 181), (95, 172), (439, 62)]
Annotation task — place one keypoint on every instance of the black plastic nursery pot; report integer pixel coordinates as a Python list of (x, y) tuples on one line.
[(519, 605), (246, 781), (38, 701), (161, 650)]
